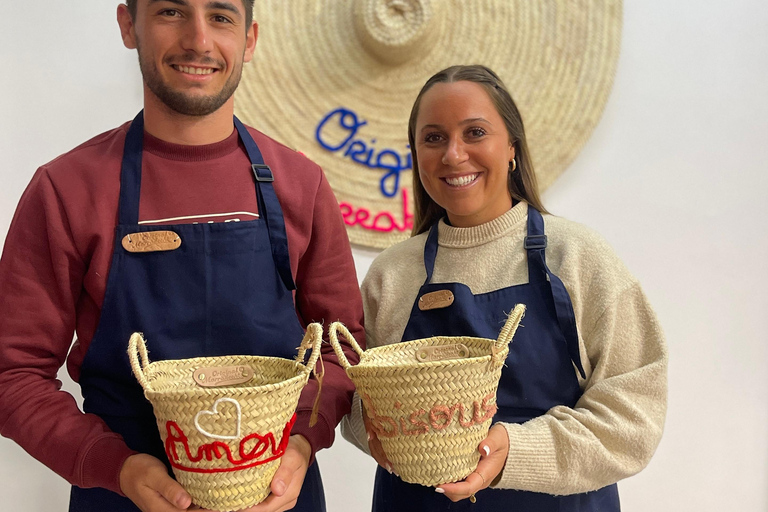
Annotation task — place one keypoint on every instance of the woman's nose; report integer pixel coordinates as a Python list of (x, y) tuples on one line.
[(454, 152)]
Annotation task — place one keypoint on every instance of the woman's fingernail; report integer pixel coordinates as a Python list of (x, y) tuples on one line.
[(440, 490), (389, 468), (369, 435), (486, 450)]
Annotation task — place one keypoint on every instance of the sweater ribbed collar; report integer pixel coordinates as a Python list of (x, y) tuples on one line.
[(449, 236), (181, 152)]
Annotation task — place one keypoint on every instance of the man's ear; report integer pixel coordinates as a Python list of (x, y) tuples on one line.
[(250, 41), (127, 30)]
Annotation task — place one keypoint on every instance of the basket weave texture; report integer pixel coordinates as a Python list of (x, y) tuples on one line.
[(225, 443), (430, 412)]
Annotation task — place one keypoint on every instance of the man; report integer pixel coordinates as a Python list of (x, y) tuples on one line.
[(245, 243)]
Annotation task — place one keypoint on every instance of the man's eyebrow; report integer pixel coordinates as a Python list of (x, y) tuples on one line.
[(223, 6), (177, 2)]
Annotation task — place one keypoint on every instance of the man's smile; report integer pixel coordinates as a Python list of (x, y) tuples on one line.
[(192, 70)]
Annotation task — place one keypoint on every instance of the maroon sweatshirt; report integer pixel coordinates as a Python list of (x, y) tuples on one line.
[(54, 268)]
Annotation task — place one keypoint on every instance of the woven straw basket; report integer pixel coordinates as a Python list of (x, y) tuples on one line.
[(225, 421), (430, 401)]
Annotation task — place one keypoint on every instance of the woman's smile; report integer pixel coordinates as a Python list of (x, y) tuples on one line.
[(461, 181)]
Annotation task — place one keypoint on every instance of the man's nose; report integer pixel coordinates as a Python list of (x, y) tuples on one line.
[(197, 36)]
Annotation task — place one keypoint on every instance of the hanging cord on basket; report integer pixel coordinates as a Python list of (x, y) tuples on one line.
[(316, 405), (313, 338)]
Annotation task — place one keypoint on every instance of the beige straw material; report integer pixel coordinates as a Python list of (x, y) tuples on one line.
[(371, 58), (225, 443), (430, 413)]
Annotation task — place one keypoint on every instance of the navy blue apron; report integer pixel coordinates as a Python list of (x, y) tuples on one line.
[(539, 374), (225, 290)]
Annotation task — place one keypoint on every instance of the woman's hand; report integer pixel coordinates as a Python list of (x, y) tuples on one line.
[(374, 445), (144, 479), (287, 482), (493, 456)]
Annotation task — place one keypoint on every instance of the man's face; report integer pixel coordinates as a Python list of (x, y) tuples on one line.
[(191, 52)]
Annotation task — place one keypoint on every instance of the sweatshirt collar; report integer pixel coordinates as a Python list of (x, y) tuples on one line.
[(181, 152), (449, 236)]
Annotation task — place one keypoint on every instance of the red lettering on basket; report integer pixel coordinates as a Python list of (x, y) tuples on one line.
[(218, 449), (438, 417)]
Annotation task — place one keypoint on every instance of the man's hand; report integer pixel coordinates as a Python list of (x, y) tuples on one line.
[(144, 479), (374, 445), (493, 456)]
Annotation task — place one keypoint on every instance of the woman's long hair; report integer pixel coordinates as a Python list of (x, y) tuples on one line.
[(521, 182)]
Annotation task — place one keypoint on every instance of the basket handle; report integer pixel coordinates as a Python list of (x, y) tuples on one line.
[(508, 331), (313, 338), (333, 337), (138, 347)]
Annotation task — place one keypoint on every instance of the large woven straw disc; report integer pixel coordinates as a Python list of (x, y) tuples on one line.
[(371, 58)]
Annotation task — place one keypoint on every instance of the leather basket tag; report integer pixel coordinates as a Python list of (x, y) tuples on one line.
[(151, 241), (436, 300), (218, 376), (441, 353)]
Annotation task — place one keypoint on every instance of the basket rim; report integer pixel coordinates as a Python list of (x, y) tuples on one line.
[(292, 364), (411, 344)]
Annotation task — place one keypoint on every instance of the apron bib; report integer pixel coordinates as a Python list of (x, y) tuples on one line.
[(225, 290), (539, 374)]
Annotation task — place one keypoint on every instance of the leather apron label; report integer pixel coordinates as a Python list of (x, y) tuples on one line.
[(216, 376), (436, 300), (443, 352), (151, 241)]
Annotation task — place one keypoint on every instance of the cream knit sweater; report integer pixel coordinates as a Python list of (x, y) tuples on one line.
[(616, 425)]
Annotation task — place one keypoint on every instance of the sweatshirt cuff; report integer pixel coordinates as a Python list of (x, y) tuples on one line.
[(320, 436), (532, 462), (103, 462), (353, 426)]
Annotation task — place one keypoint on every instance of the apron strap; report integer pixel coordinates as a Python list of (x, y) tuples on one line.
[(130, 173), (535, 244), (430, 251), (269, 206)]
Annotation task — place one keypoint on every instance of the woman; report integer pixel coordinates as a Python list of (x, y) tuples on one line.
[(582, 398)]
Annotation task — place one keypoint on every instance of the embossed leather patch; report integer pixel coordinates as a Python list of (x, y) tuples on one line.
[(436, 300), (151, 241), (456, 351), (217, 376)]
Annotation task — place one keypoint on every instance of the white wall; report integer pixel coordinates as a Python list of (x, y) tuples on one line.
[(674, 177)]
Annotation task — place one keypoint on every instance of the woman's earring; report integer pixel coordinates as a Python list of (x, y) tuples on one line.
[(512, 165)]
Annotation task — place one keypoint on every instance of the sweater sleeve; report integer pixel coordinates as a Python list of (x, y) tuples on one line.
[(615, 427), (41, 275), (353, 426), (327, 291)]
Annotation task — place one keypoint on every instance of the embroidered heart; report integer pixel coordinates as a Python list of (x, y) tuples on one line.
[(215, 411)]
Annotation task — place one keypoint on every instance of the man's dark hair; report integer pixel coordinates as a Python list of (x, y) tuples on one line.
[(248, 4)]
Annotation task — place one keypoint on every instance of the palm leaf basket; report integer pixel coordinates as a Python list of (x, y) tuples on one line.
[(225, 421), (430, 401)]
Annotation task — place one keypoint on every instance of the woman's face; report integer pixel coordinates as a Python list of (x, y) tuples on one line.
[(463, 151)]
